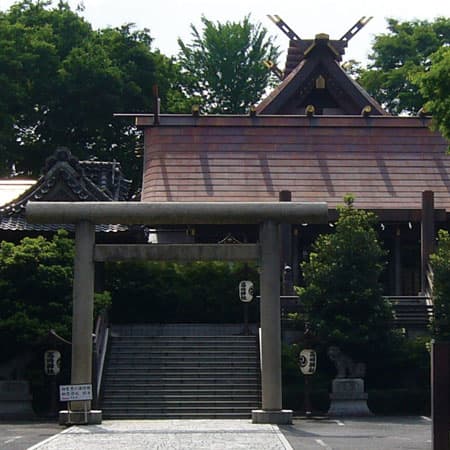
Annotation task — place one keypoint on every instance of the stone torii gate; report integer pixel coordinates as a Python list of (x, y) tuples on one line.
[(268, 215)]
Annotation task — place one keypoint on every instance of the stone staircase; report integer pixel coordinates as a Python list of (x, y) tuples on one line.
[(181, 372)]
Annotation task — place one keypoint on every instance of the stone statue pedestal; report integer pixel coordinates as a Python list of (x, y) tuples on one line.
[(348, 398), (15, 400)]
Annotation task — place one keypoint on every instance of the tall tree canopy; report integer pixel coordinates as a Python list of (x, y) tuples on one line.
[(36, 278), (35, 290), (435, 87), (223, 65), (61, 82), (398, 57)]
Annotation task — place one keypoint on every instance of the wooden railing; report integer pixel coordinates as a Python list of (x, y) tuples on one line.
[(411, 311), (408, 311)]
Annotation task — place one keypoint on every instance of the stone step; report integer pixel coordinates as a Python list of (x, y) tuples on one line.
[(182, 364), (184, 345), (199, 338), (193, 403), (181, 376), (187, 351), (182, 384), (185, 383), (176, 415), (190, 372), (172, 346), (179, 395), (160, 356), (218, 359), (181, 329), (174, 391), (191, 367), (175, 407)]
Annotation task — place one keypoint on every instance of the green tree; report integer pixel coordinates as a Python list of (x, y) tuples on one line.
[(223, 65), (200, 292), (440, 263), (35, 289), (342, 294), (435, 87), (36, 278), (398, 57), (61, 82)]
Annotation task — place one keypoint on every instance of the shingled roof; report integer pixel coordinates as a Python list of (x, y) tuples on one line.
[(65, 178), (386, 162), (318, 135)]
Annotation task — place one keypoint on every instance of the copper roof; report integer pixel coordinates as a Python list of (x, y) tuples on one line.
[(386, 162)]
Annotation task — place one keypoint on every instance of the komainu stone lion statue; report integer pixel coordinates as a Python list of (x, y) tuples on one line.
[(345, 366)]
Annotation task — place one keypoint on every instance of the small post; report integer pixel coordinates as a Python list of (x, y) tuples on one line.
[(246, 328), (246, 296), (308, 408), (398, 262), (308, 364), (440, 395), (156, 105)]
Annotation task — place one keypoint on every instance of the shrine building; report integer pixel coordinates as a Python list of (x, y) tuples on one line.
[(318, 136)]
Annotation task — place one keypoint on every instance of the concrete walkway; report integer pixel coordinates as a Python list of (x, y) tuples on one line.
[(319, 433), (168, 434)]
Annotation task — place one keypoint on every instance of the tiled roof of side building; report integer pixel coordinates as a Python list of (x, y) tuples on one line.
[(67, 179)]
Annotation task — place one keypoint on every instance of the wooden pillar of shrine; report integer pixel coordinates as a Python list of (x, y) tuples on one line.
[(427, 237)]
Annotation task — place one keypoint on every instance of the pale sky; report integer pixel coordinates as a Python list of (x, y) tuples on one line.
[(170, 19)]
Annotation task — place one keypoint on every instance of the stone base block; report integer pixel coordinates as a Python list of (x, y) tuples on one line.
[(15, 400), (278, 417), (349, 408), (92, 417), (348, 398), (347, 386)]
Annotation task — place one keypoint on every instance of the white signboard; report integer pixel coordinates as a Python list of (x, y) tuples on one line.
[(74, 392)]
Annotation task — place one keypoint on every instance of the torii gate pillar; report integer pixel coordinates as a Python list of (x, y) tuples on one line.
[(271, 411), (82, 323)]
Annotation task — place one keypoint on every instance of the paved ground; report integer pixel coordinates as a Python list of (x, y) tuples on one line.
[(21, 435), (375, 433), (169, 434)]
